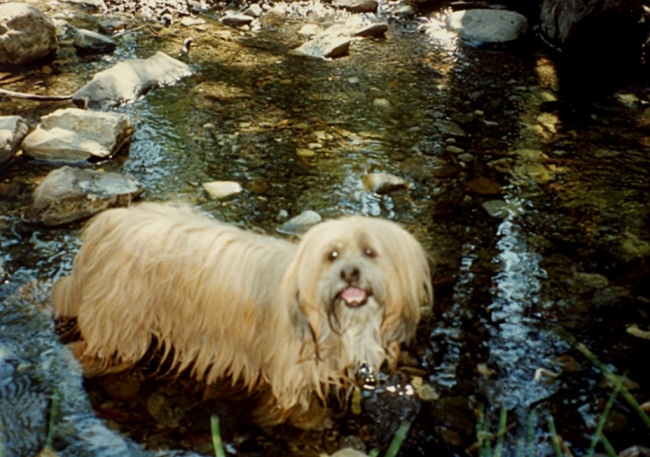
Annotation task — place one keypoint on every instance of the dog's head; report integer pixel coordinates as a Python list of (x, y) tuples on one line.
[(360, 274)]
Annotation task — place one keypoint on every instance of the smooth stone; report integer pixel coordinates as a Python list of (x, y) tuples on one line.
[(26, 34), (222, 189), (300, 223), (12, 131), (376, 29), (487, 25), (92, 41)]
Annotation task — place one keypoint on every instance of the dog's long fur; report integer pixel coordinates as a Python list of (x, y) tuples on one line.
[(228, 303)]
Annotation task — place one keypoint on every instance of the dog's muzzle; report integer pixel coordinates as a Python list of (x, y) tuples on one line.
[(354, 297)]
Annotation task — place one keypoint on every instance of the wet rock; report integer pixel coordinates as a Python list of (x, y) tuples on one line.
[(93, 41), (310, 30), (74, 135), (447, 127), (357, 6), (305, 153), (331, 43), (300, 223), (324, 46), (26, 34), (404, 11), (110, 26), (96, 4), (253, 10), (483, 186), (129, 79), (68, 194), (382, 183), (488, 26), (121, 387), (222, 189), (376, 29), (191, 21), (235, 19), (496, 208), (592, 280), (12, 131)]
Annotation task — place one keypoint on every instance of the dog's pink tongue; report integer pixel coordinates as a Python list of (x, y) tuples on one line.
[(353, 296)]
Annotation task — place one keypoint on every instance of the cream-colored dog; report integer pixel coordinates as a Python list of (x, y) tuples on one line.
[(291, 320)]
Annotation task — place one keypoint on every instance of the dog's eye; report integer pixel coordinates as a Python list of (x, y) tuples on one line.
[(333, 255), (368, 252)]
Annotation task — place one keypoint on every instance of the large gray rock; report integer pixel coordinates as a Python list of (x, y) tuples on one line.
[(484, 26), (73, 135), (26, 34), (130, 79), (68, 194), (12, 131)]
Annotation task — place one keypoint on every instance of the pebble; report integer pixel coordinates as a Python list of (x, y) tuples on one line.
[(496, 208), (234, 19), (454, 149), (222, 189)]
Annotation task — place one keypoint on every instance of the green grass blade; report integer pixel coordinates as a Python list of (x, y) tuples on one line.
[(555, 440), (216, 437), (503, 423), (398, 439), (607, 445), (54, 415), (617, 381), (601, 421)]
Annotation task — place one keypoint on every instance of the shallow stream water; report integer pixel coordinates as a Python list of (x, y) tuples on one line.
[(534, 206)]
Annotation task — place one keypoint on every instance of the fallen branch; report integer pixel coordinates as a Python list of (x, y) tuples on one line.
[(39, 98)]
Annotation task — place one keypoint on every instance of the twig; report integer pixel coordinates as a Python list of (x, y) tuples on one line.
[(39, 98), (54, 415)]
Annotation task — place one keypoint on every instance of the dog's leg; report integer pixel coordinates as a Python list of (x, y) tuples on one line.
[(95, 366)]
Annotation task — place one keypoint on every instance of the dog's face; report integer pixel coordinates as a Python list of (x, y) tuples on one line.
[(353, 270)]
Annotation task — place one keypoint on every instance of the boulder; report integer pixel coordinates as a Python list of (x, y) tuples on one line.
[(73, 135), (485, 26), (130, 79), (69, 194), (26, 34), (12, 131), (602, 41)]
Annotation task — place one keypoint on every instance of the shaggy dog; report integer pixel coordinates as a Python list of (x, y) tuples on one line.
[(293, 320)]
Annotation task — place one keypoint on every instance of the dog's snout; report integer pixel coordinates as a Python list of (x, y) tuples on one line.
[(350, 273)]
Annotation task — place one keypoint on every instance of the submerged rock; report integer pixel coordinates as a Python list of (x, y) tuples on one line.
[(73, 135), (69, 194), (129, 80), (488, 26), (26, 34), (12, 131)]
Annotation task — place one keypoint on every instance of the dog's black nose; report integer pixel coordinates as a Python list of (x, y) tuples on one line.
[(350, 274)]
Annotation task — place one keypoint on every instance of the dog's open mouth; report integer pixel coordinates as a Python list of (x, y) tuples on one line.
[(354, 297)]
